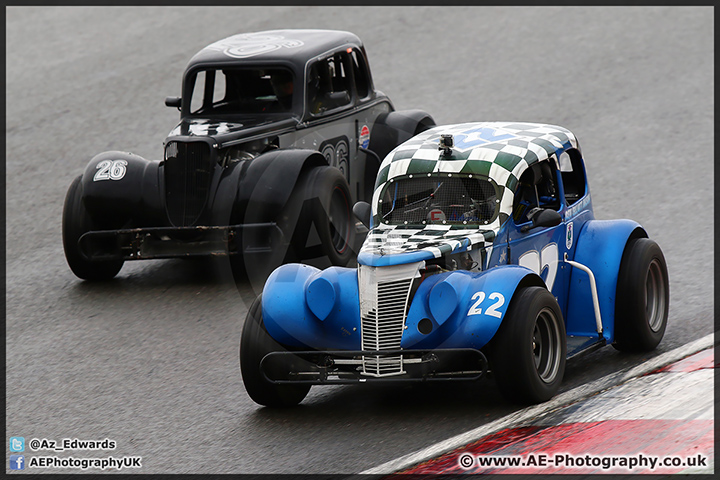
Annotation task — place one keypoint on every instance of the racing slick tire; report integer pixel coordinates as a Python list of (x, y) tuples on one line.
[(528, 352), (76, 221), (255, 343), (643, 297), (328, 206)]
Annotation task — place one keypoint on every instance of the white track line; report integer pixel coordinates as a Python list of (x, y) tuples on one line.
[(571, 396)]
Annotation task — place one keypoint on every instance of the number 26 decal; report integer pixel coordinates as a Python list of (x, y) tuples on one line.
[(498, 301), (110, 170)]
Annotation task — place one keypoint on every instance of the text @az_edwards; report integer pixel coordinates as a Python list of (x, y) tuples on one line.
[(70, 444)]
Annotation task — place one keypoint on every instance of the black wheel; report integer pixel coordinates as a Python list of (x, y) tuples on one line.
[(254, 345), (643, 297), (527, 355), (75, 222), (328, 206)]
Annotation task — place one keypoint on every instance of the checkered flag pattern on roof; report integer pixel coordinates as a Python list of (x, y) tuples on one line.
[(500, 150)]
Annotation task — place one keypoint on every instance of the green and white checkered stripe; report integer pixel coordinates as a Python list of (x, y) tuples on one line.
[(438, 239), (510, 150)]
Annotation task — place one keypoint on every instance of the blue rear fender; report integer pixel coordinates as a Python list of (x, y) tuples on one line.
[(308, 308), (600, 246), (465, 309)]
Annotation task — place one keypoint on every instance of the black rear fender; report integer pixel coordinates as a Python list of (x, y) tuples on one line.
[(393, 128), (118, 186)]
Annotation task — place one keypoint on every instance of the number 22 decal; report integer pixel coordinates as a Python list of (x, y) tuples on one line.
[(110, 170), (492, 309)]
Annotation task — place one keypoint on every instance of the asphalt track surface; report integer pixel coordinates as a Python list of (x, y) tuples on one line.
[(150, 359)]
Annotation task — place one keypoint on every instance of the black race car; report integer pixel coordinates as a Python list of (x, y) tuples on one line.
[(281, 132)]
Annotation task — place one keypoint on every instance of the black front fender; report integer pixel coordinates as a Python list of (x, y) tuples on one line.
[(118, 186), (268, 181)]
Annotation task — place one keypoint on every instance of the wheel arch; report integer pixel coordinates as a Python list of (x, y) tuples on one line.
[(463, 329), (600, 247)]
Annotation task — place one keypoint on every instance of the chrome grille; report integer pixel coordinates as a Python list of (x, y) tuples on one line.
[(384, 295), (188, 172)]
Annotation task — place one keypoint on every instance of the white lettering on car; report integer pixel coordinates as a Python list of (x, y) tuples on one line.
[(110, 170), (492, 310), (538, 261)]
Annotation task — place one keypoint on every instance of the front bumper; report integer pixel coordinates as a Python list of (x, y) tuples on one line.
[(346, 367), (172, 242)]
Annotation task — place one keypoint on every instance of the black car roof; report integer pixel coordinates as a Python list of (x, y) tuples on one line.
[(280, 46)]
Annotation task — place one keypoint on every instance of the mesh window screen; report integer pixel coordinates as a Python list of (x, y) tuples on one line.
[(438, 200)]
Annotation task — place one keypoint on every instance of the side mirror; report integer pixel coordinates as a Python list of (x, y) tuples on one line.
[(337, 99), (362, 212), (173, 101), (546, 217)]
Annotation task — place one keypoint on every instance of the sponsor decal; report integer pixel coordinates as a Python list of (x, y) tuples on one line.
[(569, 235), (578, 207), (364, 139), (436, 215), (478, 136)]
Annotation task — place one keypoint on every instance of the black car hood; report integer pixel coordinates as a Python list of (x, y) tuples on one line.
[(229, 130)]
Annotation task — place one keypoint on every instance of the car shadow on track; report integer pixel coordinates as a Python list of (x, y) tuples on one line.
[(189, 272), (395, 418), (185, 272), (460, 398)]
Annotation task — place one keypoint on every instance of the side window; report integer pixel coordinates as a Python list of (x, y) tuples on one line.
[(329, 84), (573, 176), (207, 91), (537, 187), (220, 89), (197, 100), (360, 72)]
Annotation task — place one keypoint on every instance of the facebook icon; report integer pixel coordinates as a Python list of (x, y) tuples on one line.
[(17, 462)]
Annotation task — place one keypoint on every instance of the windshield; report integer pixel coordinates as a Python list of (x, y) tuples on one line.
[(452, 200), (241, 91)]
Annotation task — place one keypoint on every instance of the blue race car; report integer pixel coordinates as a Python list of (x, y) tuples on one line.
[(483, 254)]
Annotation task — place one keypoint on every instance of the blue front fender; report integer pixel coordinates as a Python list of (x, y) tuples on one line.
[(464, 308), (295, 298), (600, 246)]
